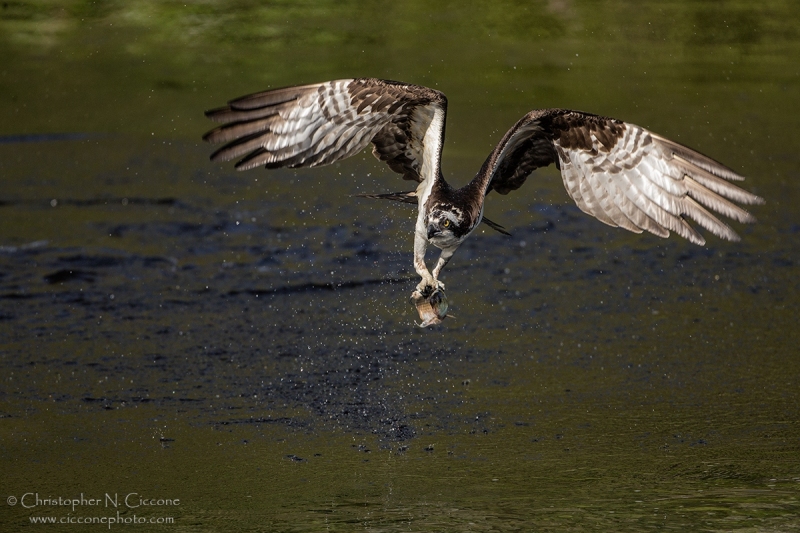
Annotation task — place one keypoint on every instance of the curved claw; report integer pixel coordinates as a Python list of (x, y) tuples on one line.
[(426, 287)]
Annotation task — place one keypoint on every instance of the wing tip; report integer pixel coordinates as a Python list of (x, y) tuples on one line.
[(219, 156), (218, 113), (209, 137), (246, 165), (698, 239)]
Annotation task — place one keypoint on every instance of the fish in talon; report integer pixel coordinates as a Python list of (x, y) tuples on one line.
[(431, 305)]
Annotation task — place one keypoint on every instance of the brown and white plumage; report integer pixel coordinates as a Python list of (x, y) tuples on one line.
[(621, 174), (318, 124)]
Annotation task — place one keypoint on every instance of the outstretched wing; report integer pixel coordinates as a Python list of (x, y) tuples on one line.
[(620, 173), (318, 124)]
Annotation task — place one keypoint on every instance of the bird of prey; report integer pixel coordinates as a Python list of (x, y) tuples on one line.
[(620, 173)]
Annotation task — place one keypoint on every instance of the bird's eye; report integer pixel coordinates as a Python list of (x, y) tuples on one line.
[(447, 223)]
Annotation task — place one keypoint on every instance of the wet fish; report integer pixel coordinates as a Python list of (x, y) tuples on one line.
[(432, 308)]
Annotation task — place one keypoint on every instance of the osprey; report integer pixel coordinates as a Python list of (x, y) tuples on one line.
[(622, 174)]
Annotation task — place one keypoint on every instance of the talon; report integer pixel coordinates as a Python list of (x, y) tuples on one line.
[(432, 307), (427, 286)]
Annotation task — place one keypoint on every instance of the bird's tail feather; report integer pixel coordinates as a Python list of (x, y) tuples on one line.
[(495, 226)]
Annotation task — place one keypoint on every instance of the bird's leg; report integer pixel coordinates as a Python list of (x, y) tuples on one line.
[(444, 258), (420, 245)]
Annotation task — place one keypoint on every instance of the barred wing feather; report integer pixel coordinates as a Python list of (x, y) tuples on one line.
[(322, 123), (622, 174)]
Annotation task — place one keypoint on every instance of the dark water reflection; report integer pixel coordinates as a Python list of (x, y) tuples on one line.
[(243, 341)]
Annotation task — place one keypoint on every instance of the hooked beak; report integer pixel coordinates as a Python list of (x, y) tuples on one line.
[(433, 231)]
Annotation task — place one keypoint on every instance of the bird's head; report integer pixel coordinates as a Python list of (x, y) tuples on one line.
[(446, 225)]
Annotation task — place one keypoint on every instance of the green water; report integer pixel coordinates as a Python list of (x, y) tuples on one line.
[(168, 328)]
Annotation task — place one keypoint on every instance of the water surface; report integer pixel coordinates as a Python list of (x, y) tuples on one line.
[(243, 342)]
